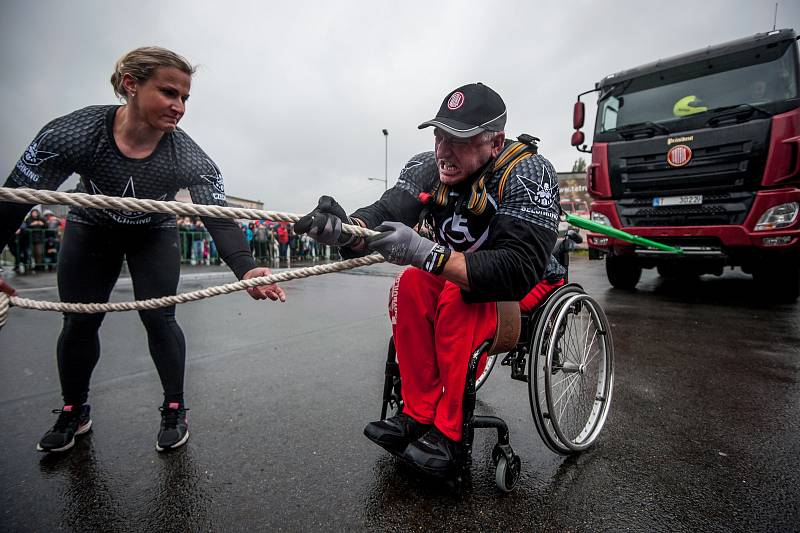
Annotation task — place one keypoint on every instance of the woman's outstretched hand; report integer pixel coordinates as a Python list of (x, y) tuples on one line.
[(261, 292)]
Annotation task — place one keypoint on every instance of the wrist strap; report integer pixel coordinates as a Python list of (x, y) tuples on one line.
[(436, 260)]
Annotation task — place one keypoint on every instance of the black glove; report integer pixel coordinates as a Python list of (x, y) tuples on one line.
[(324, 224)]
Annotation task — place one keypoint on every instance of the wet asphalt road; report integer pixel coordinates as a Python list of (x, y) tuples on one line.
[(702, 435)]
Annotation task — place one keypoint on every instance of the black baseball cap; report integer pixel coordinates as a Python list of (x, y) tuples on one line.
[(470, 110)]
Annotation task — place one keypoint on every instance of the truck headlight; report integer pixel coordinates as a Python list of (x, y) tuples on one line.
[(778, 217), (600, 218)]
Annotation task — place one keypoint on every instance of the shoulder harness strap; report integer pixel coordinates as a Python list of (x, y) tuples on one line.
[(526, 147), (510, 156)]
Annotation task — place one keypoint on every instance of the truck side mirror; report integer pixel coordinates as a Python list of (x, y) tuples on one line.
[(578, 113), (577, 138)]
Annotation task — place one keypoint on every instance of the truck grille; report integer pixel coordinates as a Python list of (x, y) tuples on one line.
[(722, 167), (724, 159)]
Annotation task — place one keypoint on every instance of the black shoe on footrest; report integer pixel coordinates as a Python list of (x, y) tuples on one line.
[(435, 454), (394, 434)]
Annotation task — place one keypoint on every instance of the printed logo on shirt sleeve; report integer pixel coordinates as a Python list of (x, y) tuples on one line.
[(410, 165), (540, 192), (418, 174), (532, 194), (214, 177), (33, 157)]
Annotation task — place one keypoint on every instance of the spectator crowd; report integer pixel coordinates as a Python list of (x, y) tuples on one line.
[(37, 242), (39, 237)]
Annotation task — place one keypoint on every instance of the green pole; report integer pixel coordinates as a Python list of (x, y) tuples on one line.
[(619, 234)]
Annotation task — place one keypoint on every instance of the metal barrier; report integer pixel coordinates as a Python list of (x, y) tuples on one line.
[(33, 249), (198, 248)]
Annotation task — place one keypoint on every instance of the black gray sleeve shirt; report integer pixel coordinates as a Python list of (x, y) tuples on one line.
[(83, 142), (507, 246)]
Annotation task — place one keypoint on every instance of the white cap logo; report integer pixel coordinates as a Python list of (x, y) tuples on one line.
[(456, 100)]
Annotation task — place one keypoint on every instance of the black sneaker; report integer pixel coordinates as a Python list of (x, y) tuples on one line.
[(72, 420), (394, 434), (434, 453), (174, 430)]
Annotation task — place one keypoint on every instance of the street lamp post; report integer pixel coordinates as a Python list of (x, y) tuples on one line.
[(385, 179), (386, 160)]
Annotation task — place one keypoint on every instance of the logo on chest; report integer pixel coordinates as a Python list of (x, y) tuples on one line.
[(456, 230), (467, 231), (126, 217)]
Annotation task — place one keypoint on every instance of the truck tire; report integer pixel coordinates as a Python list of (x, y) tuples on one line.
[(781, 284), (623, 272)]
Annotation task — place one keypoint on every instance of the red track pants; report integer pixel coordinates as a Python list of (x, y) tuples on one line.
[(435, 332)]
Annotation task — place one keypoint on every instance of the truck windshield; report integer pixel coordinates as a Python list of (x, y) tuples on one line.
[(650, 101)]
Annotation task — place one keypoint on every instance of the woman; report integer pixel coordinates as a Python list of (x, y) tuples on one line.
[(133, 150)]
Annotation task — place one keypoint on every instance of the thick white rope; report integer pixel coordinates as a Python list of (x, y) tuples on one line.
[(178, 208), (7, 301), (80, 199)]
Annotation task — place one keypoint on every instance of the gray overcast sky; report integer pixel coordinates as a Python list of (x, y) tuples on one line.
[(291, 97)]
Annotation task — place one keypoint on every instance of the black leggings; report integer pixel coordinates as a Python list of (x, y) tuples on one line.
[(89, 263)]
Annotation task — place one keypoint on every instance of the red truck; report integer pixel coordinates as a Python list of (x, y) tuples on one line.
[(701, 151)]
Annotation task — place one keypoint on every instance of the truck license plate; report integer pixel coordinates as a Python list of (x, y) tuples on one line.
[(690, 199)]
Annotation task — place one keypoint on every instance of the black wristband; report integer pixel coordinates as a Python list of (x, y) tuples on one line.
[(436, 260)]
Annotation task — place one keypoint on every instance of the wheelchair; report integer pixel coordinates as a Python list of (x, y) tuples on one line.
[(562, 349)]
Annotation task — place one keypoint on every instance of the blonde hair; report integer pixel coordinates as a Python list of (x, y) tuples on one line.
[(142, 62)]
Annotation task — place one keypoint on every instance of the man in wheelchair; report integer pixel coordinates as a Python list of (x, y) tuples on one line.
[(491, 210)]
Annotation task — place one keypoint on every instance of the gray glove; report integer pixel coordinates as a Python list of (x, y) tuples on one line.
[(401, 245)]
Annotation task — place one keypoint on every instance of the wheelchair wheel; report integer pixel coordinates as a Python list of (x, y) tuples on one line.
[(506, 475), (571, 371), (483, 376)]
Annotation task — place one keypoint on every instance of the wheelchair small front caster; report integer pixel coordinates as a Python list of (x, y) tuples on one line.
[(508, 469)]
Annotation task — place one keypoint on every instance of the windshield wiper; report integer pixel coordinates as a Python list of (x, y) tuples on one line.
[(736, 113), (641, 127)]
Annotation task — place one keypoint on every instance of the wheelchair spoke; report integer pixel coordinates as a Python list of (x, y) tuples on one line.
[(571, 378), (571, 387), (574, 387), (597, 351), (587, 347), (586, 336), (566, 377), (575, 341)]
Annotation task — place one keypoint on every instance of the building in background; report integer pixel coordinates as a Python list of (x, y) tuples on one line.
[(575, 199)]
